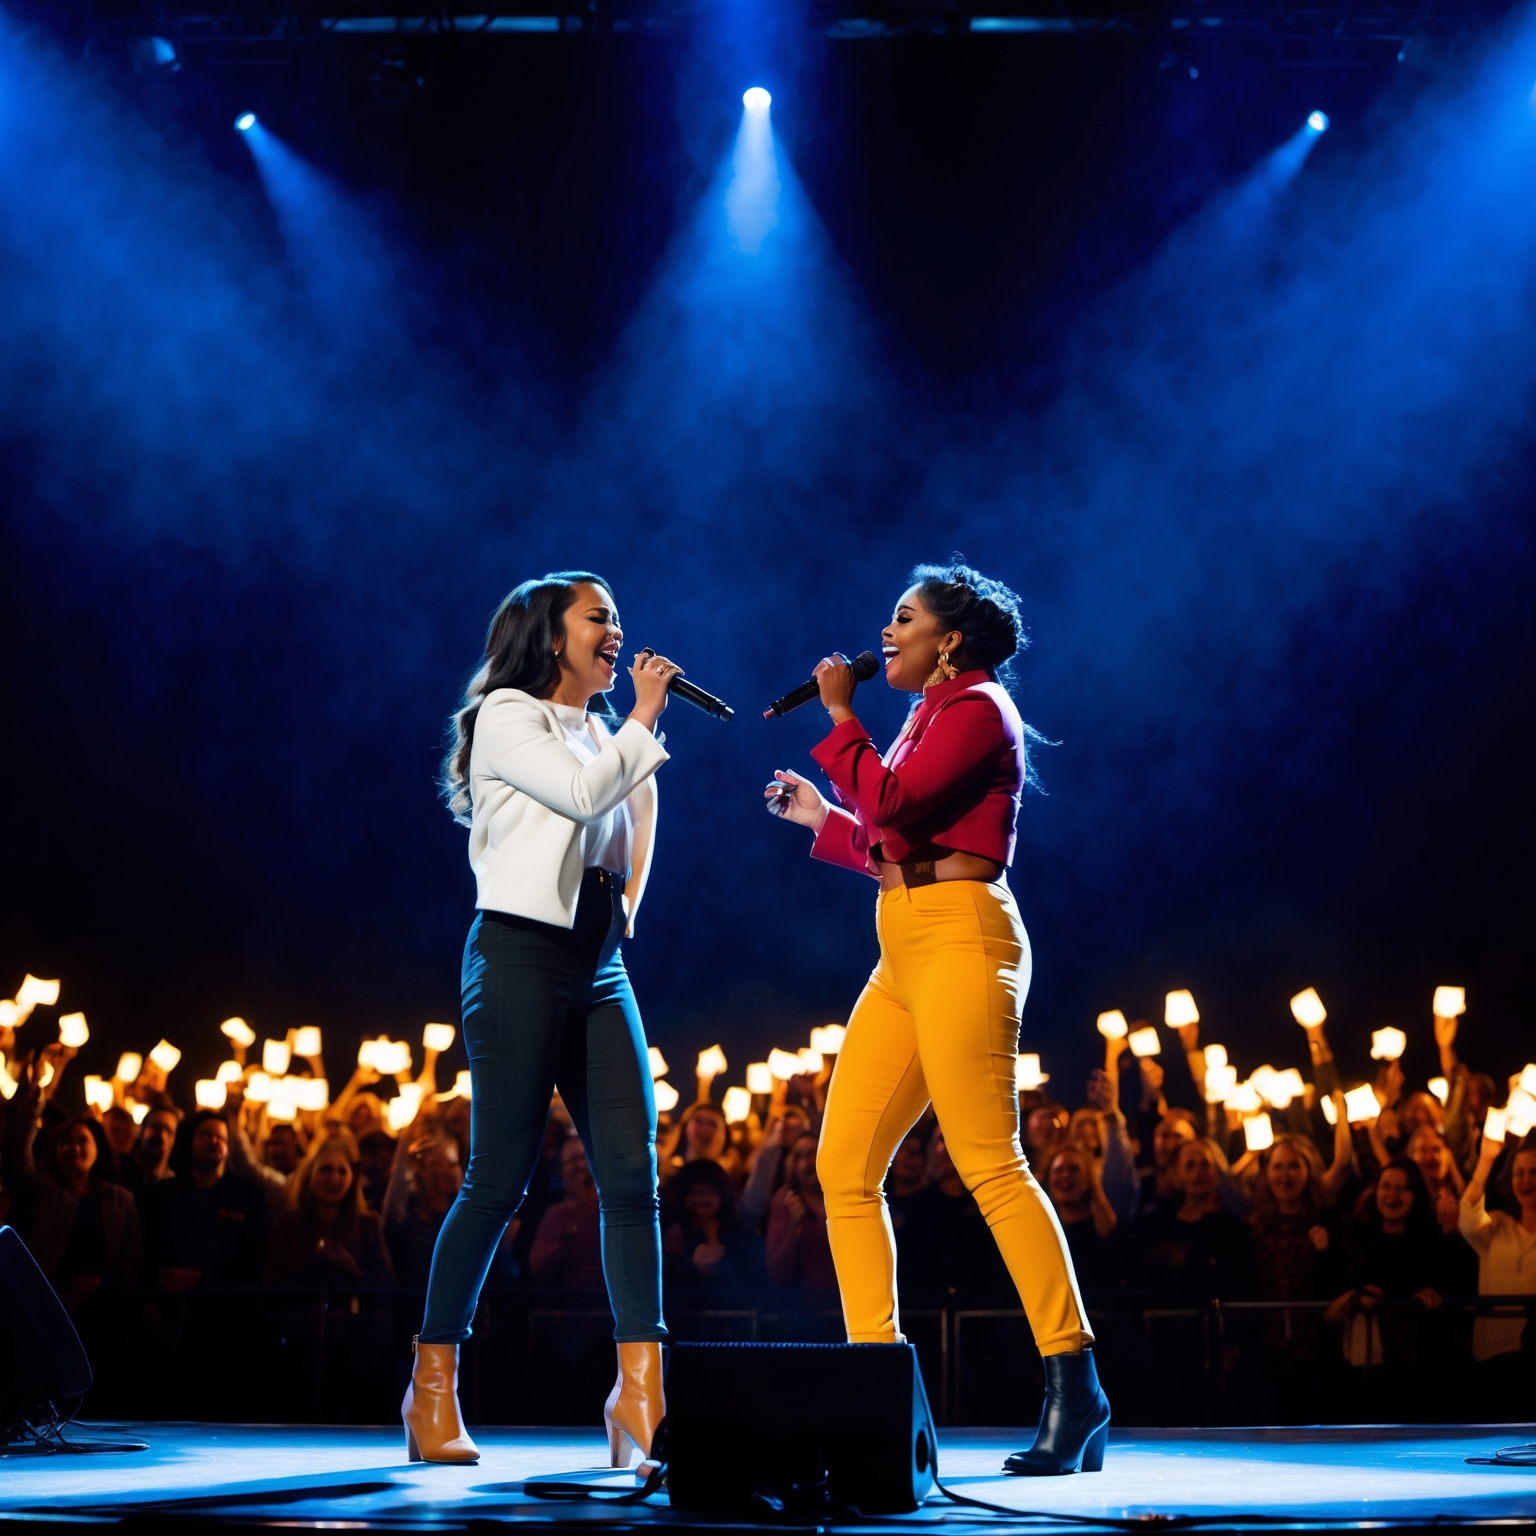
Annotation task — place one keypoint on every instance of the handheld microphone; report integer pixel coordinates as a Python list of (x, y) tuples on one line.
[(864, 666), (691, 693)]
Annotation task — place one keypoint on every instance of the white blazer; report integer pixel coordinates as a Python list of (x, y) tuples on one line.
[(531, 796)]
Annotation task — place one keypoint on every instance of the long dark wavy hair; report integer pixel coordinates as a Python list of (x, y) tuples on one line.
[(991, 627), (519, 653)]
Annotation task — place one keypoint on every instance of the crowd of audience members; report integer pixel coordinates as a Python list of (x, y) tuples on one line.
[(1381, 1221)]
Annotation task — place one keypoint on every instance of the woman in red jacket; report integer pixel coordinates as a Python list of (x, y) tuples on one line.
[(933, 822)]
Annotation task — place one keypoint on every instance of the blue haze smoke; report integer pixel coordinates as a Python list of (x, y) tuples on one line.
[(1257, 453)]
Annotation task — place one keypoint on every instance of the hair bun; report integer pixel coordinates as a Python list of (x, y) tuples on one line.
[(984, 611)]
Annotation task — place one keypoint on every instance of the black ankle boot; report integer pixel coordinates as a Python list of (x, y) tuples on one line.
[(1074, 1421)]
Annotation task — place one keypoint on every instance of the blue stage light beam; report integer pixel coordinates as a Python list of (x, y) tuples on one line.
[(245, 122), (1318, 122), (752, 198)]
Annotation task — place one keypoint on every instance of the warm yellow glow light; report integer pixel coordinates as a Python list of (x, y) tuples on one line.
[(659, 1067), (1519, 1114), (165, 1056), (391, 1058), (229, 1072), (36, 993), (1307, 1009), (1528, 1078), (129, 1065), (1144, 1042), (1361, 1104), (1388, 1044), (283, 1111), (711, 1062), (811, 1062), (98, 1092), (259, 1089), (737, 1105), (759, 1078), (1493, 1126), (10, 1014), (275, 1057), (1244, 1100), (1027, 1075), (666, 1097), (138, 1111), (1330, 1114), (828, 1039), (1450, 1002), (783, 1064), (461, 1083), (210, 1094), (1440, 1087), (1215, 1056), (437, 1037), (306, 1041), (1258, 1133), (7, 1082), (313, 1094), (239, 1031), (1112, 1025), (1219, 1082), (1179, 1008), (73, 1032), (402, 1108)]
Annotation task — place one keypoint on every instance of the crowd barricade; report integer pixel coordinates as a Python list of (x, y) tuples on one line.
[(308, 1355)]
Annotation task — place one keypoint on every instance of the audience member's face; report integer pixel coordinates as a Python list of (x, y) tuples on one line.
[(1066, 1182), (378, 1159), (1394, 1197), (157, 1137), (1087, 1134), (1286, 1173), (282, 1150), (804, 1162), (702, 1203), (1523, 1179), (1427, 1149), (122, 1133), (1420, 1109), (438, 1166), (1169, 1136), (940, 1164), (1197, 1171), (574, 1172), (706, 1135), (210, 1147), (331, 1177), (795, 1124), (911, 1162), (75, 1150), (1043, 1127), (365, 1115)]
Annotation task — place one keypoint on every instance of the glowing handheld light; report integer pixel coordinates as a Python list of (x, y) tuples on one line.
[(659, 1067), (98, 1093), (1179, 1008), (1307, 1009), (783, 1064), (35, 992), (275, 1056), (1388, 1044), (461, 1084), (1219, 1082), (259, 1089), (437, 1037), (759, 1078), (1450, 1002), (210, 1093), (1258, 1133), (165, 1056), (666, 1097), (1026, 1072), (72, 1031), (828, 1039), (1144, 1042), (1244, 1100), (229, 1072), (238, 1031), (737, 1105), (1112, 1025), (1361, 1104), (711, 1063), (811, 1062), (1215, 1056), (1493, 1126), (306, 1043), (1440, 1088), (129, 1065)]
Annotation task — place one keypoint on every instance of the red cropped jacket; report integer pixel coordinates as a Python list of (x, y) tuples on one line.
[(950, 783)]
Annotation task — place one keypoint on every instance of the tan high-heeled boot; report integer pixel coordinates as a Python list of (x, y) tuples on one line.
[(434, 1428), (635, 1406)]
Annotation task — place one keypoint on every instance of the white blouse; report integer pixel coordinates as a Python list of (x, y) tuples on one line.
[(605, 844)]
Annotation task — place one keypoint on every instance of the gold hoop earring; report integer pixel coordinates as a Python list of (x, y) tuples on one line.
[(942, 673)]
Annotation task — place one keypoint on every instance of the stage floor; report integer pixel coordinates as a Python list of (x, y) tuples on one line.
[(198, 1476)]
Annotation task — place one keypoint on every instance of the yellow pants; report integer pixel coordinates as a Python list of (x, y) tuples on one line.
[(939, 1020)]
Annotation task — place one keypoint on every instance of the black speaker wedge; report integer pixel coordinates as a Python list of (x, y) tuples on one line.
[(43, 1369), (786, 1427)]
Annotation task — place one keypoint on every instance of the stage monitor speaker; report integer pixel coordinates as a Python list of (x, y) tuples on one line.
[(798, 1427), (43, 1369)]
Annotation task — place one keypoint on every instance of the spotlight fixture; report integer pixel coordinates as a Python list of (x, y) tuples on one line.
[(756, 99), (245, 122), (1318, 122)]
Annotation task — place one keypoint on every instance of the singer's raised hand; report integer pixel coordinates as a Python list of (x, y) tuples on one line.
[(652, 675), (796, 799), (836, 681)]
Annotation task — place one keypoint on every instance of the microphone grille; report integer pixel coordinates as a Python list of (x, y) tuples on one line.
[(864, 666)]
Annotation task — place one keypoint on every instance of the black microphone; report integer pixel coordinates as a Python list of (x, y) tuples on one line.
[(691, 693), (863, 666)]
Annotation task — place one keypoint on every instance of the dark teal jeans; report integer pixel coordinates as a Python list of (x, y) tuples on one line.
[(547, 1007)]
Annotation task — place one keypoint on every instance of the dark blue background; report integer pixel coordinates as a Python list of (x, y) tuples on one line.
[(1257, 463)]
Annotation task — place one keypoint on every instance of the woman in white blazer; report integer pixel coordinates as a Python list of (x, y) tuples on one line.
[(560, 800)]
